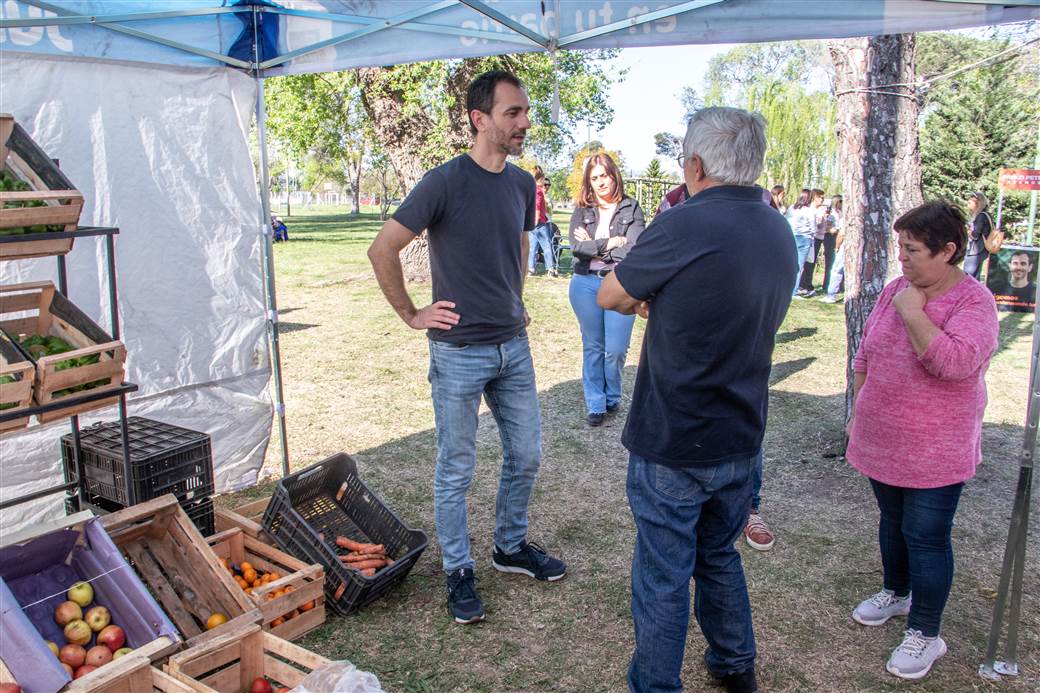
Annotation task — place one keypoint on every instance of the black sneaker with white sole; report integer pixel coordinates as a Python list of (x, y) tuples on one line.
[(463, 602), (531, 559)]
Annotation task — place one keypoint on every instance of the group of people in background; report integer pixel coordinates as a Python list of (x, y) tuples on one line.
[(713, 275)]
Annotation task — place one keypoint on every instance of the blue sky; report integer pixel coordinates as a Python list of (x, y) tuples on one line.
[(647, 101)]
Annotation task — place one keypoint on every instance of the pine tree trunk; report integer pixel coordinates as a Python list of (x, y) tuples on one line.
[(881, 173)]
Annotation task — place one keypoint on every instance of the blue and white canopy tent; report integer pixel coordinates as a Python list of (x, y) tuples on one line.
[(148, 105)]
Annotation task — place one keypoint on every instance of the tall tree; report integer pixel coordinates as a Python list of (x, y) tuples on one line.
[(654, 170), (977, 121), (319, 117), (877, 117)]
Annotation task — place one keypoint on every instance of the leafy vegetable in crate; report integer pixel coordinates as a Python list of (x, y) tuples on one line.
[(39, 346), (5, 379), (11, 183)]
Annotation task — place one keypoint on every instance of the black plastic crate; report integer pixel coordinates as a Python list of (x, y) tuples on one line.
[(200, 512), (163, 459), (310, 508)]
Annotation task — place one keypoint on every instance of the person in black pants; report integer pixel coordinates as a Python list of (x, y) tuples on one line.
[(978, 230)]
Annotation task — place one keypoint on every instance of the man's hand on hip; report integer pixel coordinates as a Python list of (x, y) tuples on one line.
[(438, 316)]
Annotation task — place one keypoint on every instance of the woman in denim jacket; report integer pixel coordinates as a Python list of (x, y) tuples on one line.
[(605, 224)]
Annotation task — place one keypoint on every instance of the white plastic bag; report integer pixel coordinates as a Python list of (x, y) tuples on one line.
[(339, 677)]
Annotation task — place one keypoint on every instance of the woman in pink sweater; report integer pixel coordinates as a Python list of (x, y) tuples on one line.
[(916, 429)]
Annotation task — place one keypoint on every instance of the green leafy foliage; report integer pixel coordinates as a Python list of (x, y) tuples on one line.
[(978, 121), (654, 170)]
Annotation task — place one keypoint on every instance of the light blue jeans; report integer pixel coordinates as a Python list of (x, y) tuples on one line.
[(803, 244), (541, 235), (504, 375), (837, 274), (605, 336)]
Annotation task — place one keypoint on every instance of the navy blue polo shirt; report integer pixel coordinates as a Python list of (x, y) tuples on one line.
[(718, 271)]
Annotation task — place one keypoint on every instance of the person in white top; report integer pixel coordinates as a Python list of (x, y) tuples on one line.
[(802, 217)]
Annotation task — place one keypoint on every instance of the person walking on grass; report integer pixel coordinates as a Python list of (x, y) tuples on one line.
[(477, 210), (714, 276), (541, 236)]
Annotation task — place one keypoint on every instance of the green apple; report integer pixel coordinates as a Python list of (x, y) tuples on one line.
[(81, 593)]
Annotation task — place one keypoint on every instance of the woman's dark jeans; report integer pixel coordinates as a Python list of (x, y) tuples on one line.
[(916, 552)]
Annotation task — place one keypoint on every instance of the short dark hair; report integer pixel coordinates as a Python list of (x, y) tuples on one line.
[(481, 93), (777, 189), (936, 223), (1029, 258)]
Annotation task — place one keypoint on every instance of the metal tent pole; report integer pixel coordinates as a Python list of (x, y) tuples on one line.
[(1013, 568), (268, 250)]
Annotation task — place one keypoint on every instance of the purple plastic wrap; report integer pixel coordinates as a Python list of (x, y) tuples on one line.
[(37, 573)]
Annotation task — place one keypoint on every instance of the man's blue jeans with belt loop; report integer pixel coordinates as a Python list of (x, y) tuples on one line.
[(686, 523), (503, 374)]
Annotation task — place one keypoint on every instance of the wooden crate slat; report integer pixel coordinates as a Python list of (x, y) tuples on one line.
[(66, 412), (164, 683), (230, 597), (284, 674), (181, 579), (153, 577), (297, 654), (19, 392), (302, 624), (30, 249), (129, 674)]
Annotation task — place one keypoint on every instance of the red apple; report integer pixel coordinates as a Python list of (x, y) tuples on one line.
[(112, 637), (81, 593), (84, 670), (121, 652), (53, 647), (97, 618), (73, 655), (78, 632), (99, 656), (67, 611), (260, 685), (68, 669), (10, 688)]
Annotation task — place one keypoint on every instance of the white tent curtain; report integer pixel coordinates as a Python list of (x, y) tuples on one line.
[(163, 154)]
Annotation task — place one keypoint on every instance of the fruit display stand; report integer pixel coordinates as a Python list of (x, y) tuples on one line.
[(230, 663), (16, 383), (47, 198), (312, 507), (36, 570), (180, 569), (293, 603), (37, 308)]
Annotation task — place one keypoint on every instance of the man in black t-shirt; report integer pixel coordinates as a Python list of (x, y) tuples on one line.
[(714, 278), (1020, 265), (477, 210)]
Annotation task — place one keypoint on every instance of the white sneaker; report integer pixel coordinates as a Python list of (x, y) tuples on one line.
[(914, 657), (830, 299), (876, 610)]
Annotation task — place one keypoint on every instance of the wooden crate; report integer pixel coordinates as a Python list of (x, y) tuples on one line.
[(246, 517), (50, 313), (27, 161), (131, 674), (180, 569), (229, 664), (19, 392), (287, 616)]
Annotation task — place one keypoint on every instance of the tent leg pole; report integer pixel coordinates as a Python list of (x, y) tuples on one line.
[(272, 302)]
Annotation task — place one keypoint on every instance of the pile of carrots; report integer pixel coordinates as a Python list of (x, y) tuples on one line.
[(365, 558)]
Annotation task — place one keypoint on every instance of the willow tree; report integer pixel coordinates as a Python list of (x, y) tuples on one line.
[(877, 116)]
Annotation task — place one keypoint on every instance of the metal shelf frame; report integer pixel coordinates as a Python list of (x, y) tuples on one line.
[(73, 486)]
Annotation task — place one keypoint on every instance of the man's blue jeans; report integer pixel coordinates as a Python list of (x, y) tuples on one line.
[(605, 336), (916, 552), (686, 523), (504, 375), (803, 244), (541, 236)]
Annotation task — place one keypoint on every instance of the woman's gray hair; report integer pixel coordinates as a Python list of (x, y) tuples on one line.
[(730, 142)]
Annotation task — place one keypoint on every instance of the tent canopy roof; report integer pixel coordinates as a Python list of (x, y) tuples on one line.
[(301, 36)]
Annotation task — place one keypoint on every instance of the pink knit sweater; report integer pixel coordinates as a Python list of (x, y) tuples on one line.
[(918, 420)]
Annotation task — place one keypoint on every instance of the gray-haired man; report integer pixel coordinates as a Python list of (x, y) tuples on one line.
[(714, 277)]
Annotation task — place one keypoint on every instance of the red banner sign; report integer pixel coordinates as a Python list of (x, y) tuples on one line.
[(1019, 179)]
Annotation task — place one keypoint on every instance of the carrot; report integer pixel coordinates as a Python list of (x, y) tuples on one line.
[(358, 557), (361, 565), (357, 546), (368, 572)]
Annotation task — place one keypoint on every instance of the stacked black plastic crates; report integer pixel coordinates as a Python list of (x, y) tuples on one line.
[(163, 459)]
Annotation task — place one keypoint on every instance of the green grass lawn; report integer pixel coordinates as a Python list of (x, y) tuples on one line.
[(355, 381)]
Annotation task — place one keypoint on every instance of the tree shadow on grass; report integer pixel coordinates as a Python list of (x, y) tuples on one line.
[(793, 335), (287, 327), (821, 509)]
